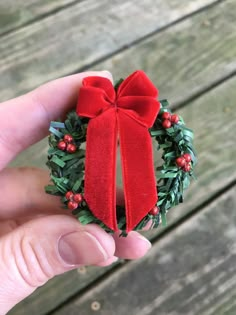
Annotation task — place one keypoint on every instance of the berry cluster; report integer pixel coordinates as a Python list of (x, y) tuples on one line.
[(73, 200), (184, 161), (66, 144), (155, 210), (168, 120)]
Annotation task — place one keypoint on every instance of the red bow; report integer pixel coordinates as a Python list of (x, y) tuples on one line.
[(127, 114)]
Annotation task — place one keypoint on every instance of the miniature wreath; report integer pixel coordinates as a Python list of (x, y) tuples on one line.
[(130, 115)]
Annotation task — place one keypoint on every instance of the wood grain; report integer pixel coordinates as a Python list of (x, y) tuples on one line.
[(191, 271), (213, 119), (80, 35), (14, 14), (187, 58), (181, 61), (205, 53)]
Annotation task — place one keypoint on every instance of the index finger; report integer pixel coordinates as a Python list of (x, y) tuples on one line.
[(25, 119)]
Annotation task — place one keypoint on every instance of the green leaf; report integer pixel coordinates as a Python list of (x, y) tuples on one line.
[(77, 184), (118, 83), (162, 174), (188, 132), (69, 126), (163, 219), (155, 133), (164, 103), (58, 161), (56, 132), (79, 154), (57, 124), (52, 190)]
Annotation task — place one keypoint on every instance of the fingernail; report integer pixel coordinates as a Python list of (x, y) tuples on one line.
[(108, 74), (81, 248), (148, 244), (108, 262)]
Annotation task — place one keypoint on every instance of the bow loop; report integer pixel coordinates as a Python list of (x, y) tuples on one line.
[(96, 95), (137, 84)]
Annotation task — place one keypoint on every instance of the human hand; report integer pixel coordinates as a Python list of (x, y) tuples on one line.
[(37, 239)]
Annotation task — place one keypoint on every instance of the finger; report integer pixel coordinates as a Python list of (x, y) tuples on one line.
[(133, 246), (37, 251), (25, 120), (22, 194)]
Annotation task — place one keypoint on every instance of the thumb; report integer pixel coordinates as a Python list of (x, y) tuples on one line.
[(44, 247)]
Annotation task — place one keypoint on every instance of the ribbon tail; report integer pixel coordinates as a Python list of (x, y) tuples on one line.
[(137, 169), (100, 168)]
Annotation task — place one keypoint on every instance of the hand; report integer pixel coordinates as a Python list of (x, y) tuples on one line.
[(37, 239)]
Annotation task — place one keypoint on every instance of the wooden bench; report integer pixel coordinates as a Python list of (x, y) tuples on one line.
[(188, 48)]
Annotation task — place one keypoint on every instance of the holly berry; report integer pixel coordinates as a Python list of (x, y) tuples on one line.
[(166, 115), (71, 148), (61, 145), (166, 124), (78, 198), (72, 205), (187, 157), (174, 119), (68, 138), (187, 168), (155, 210), (69, 195), (180, 161)]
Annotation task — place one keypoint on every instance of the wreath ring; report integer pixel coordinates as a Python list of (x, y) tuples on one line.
[(66, 161)]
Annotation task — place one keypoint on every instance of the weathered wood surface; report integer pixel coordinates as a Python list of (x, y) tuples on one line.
[(217, 106), (183, 60), (188, 57), (216, 147), (15, 14), (80, 35), (191, 271)]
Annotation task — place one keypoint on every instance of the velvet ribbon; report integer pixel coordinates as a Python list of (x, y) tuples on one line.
[(124, 115)]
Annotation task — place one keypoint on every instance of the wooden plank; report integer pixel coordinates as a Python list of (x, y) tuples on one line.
[(191, 271), (187, 58), (211, 57), (223, 115), (15, 14), (80, 35), (213, 118)]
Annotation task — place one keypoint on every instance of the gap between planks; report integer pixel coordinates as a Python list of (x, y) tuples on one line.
[(36, 18), (220, 178), (31, 55), (167, 286), (167, 231)]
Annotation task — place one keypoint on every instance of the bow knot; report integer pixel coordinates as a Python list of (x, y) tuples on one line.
[(127, 112)]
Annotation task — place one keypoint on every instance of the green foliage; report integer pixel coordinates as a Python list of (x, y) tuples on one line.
[(172, 180)]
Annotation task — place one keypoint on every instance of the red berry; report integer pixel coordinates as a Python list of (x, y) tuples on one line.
[(71, 148), (68, 138), (78, 198), (155, 210), (72, 205), (180, 161), (61, 145), (187, 157), (187, 168), (174, 119), (166, 115), (166, 124), (69, 195)]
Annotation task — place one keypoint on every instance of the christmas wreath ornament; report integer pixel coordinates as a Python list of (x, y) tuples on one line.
[(131, 115)]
